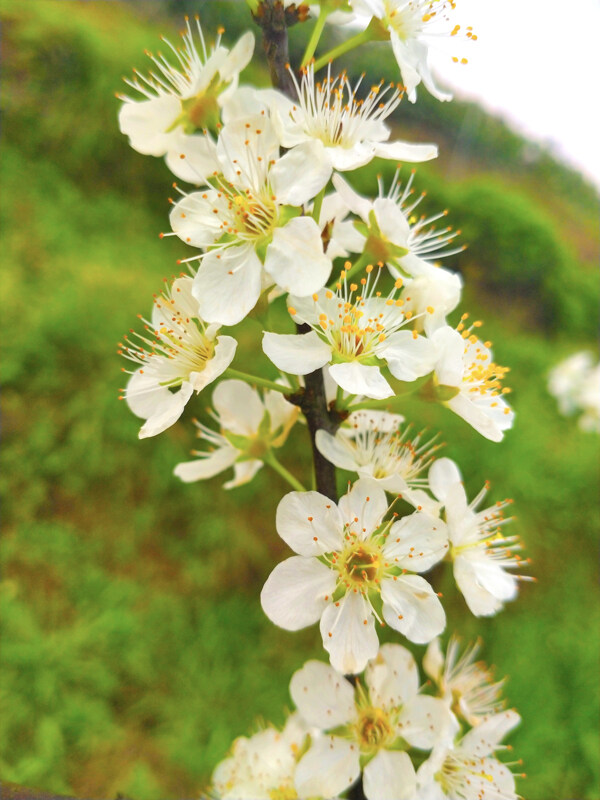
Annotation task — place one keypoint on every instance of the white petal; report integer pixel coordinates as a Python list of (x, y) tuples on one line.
[(417, 542), (335, 449), (293, 596), (329, 767), (280, 410), (357, 378), (349, 635), (239, 407), (295, 258), (238, 58), (160, 407), (484, 584), (411, 606), (228, 284), (309, 523), (450, 348), (485, 738), (201, 468), (480, 418), (391, 220), (392, 677), (300, 174), (389, 776), (192, 158), (224, 352), (405, 151), (356, 203), (298, 354), (146, 122), (433, 661), (408, 357), (243, 472), (426, 721), (323, 697), (444, 473), (363, 507)]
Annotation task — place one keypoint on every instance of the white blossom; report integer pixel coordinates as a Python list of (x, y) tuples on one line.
[(248, 221), (467, 770), (469, 382), (466, 685), (575, 383), (178, 355), (249, 428), (177, 102), (413, 26), (262, 767), (349, 563), (480, 552), (373, 444), (367, 726), (349, 131), (357, 332)]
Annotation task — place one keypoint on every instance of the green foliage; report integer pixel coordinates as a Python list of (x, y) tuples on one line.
[(134, 646)]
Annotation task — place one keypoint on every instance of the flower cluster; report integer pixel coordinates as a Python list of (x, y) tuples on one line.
[(407, 742), (273, 229)]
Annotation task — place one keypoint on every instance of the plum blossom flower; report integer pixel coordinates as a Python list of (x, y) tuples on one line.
[(373, 444), (480, 552), (249, 220), (467, 770), (368, 725), (357, 333), (349, 562), (412, 26), (575, 383), (178, 355), (389, 231), (348, 131), (249, 428), (465, 684), (180, 102), (262, 767), (469, 382)]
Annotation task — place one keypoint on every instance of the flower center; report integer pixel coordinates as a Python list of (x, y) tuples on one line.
[(360, 565), (283, 793), (374, 729)]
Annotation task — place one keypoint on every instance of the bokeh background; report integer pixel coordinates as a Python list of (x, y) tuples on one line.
[(134, 647)]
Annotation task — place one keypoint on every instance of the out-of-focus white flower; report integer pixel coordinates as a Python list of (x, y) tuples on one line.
[(373, 444), (262, 767), (357, 331), (575, 383), (412, 27), (349, 131), (480, 552), (468, 770), (182, 101), (179, 351), (366, 727), (469, 382), (349, 561), (249, 220), (249, 428), (466, 685)]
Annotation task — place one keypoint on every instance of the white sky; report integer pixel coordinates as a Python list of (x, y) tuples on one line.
[(535, 63)]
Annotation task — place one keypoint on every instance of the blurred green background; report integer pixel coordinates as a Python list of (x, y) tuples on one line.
[(134, 646)]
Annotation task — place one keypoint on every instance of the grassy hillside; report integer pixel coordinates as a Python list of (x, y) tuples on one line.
[(134, 645)]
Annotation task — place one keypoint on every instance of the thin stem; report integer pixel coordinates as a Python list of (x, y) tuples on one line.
[(256, 381), (316, 212), (315, 36), (270, 459), (344, 47)]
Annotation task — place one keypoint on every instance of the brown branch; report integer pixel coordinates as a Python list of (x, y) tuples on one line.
[(274, 21)]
